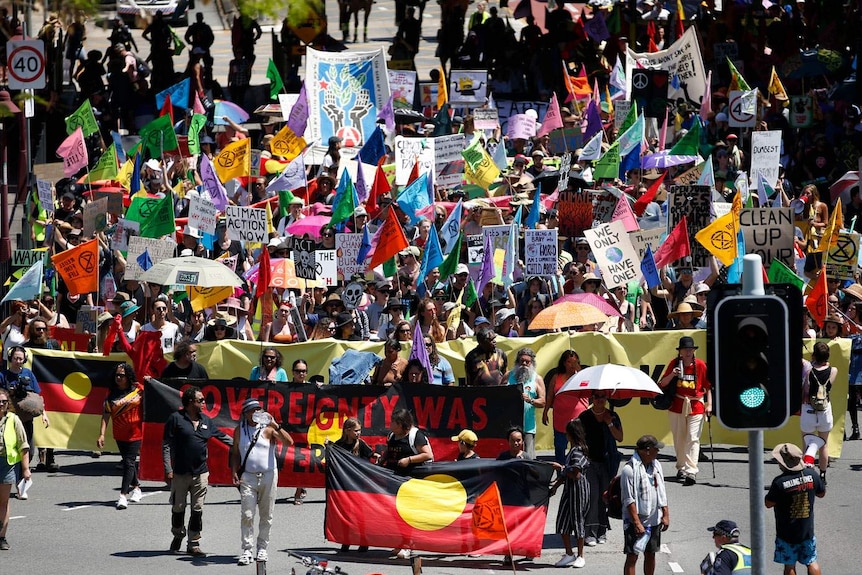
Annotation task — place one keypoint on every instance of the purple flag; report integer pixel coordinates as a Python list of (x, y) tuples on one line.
[(359, 184), (212, 185), (298, 119), (487, 273), (594, 121), (387, 114), (420, 352)]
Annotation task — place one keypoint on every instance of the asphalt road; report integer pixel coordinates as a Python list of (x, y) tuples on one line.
[(69, 525)]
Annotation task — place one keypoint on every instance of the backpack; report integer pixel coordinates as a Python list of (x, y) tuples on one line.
[(411, 438), (818, 389), (613, 498)]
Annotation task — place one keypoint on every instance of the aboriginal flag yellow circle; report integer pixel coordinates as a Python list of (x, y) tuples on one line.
[(431, 503), (77, 385)]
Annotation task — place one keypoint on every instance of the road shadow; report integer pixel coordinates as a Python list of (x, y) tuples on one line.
[(209, 559)]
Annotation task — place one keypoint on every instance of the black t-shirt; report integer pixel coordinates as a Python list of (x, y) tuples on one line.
[(400, 448), (793, 493), (364, 451), (462, 457), (595, 433), (193, 371)]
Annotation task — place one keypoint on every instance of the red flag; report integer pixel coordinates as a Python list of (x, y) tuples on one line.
[(392, 240), (642, 202), (817, 300), (488, 519), (167, 108), (676, 245), (146, 354), (264, 273), (115, 328), (652, 47), (414, 173), (378, 188), (567, 82)]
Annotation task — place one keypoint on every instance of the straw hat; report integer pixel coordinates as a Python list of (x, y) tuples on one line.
[(683, 307)]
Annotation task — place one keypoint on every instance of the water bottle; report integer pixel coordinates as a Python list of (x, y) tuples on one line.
[(641, 543), (261, 417)]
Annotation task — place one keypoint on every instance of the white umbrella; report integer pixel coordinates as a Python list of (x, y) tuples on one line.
[(192, 271), (619, 381)]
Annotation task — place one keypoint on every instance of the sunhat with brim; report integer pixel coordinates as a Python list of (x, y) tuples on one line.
[(127, 308), (343, 319), (683, 307), (228, 319), (692, 301), (833, 318), (788, 456), (854, 290)]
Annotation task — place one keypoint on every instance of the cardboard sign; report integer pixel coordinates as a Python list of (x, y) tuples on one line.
[(157, 248), (347, 247), (246, 224), (85, 319), (575, 211), (304, 259), (428, 94), (402, 87), (843, 257), (448, 161), (615, 254), (693, 202), (499, 236), (95, 217), (327, 267), (468, 87), (520, 126), (604, 204), (768, 232), (46, 195), (540, 252), (565, 167), (640, 239), (737, 116), (115, 201), (621, 110), (565, 140), (765, 155), (475, 249), (485, 118), (409, 151), (202, 215), (122, 232)]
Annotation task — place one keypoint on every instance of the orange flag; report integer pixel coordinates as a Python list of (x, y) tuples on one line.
[(817, 299), (79, 267), (488, 519), (392, 240)]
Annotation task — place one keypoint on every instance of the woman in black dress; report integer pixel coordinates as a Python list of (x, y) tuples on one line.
[(352, 442), (574, 504)]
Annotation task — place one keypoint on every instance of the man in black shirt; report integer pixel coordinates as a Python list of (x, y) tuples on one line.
[(184, 364), (184, 451)]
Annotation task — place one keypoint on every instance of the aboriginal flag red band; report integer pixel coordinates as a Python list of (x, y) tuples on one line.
[(312, 415), (435, 508)]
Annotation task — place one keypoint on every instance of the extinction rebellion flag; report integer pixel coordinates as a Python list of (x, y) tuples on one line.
[(442, 507)]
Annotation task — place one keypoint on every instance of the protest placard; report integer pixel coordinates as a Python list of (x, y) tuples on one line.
[(202, 215), (499, 236), (642, 238), (681, 60), (843, 257), (575, 212), (765, 154), (304, 259), (95, 217), (540, 252), (85, 319), (468, 87), (520, 126), (565, 167), (565, 140), (122, 232), (45, 190), (408, 151), (614, 253), (347, 247), (157, 248), (327, 267), (692, 202), (475, 249), (768, 232), (604, 203), (115, 201), (621, 110), (246, 224), (428, 94), (448, 161), (485, 118), (402, 87)]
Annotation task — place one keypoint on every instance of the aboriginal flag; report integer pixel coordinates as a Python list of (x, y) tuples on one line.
[(439, 507)]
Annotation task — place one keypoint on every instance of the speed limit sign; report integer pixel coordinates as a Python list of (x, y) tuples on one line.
[(26, 64)]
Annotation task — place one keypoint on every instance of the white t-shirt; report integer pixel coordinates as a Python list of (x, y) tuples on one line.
[(170, 332)]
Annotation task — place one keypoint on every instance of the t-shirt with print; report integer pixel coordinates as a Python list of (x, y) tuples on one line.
[(399, 448), (126, 409), (793, 493), (170, 333)]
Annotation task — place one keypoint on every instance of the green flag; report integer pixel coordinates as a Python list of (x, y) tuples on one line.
[(630, 118), (689, 144), (779, 273), (179, 45), (473, 154), (450, 264), (106, 168), (737, 82), (84, 118), (346, 205), (197, 122), (156, 215), (275, 82), (158, 136), (284, 198), (390, 268), (608, 166), (470, 295)]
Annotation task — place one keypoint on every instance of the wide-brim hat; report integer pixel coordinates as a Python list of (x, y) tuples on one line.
[(127, 308), (691, 300), (834, 318), (686, 342), (788, 456), (222, 316), (854, 290), (392, 304), (343, 319), (333, 298), (683, 307)]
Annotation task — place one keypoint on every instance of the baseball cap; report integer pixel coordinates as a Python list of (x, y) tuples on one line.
[(250, 404), (467, 437), (725, 527), (461, 269), (647, 441)]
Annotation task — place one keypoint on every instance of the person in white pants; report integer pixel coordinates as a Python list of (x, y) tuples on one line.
[(255, 473)]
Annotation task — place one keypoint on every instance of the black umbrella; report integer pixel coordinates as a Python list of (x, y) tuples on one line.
[(408, 116)]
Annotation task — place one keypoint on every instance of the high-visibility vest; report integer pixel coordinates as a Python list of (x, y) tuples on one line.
[(10, 440), (743, 558)]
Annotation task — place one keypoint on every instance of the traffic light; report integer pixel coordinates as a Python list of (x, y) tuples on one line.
[(752, 354)]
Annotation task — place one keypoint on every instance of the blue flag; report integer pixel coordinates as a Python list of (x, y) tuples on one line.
[(452, 228), (535, 212), (649, 270), (144, 260), (431, 259), (29, 287), (365, 246), (414, 198), (118, 142), (179, 93), (630, 161), (374, 148), (520, 213), (135, 185), (734, 270)]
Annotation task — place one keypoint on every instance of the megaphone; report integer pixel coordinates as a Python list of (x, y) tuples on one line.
[(798, 205)]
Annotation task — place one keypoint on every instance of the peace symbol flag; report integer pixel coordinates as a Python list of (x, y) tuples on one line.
[(79, 267)]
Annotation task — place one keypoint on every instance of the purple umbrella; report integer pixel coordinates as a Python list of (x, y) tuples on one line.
[(664, 160), (308, 225), (592, 299), (223, 108)]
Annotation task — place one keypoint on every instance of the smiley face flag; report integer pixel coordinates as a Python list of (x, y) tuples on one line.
[(446, 508)]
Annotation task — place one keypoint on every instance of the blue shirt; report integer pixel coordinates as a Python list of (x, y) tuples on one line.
[(443, 374), (9, 379)]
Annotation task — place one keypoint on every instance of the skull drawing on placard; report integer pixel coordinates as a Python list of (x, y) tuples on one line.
[(352, 295)]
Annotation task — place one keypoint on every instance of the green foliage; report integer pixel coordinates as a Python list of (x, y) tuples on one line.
[(255, 8)]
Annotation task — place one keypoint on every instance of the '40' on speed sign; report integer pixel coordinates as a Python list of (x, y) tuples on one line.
[(26, 64)]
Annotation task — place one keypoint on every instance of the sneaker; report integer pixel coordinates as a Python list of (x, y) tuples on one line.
[(590, 542), (579, 562), (194, 549), (680, 475), (823, 478), (246, 558), (690, 479), (507, 561), (345, 548), (41, 467), (23, 496), (565, 560), (4, 545), (602, 540), (122, 502), (403, 554), (362, 549), (53, 467), (262, 556), (136, 495), (176, 543)]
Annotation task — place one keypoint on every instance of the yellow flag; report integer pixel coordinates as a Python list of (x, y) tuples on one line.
[(269, 227), (202, 298), (234, 161), (442, 89), (180, 190), (287, 144), (833, 229), (719, 238), (776, 88), (485, 173), (124, 175), (454, 320)]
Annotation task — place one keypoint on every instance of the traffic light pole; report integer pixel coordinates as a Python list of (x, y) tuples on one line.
[(752, 284)]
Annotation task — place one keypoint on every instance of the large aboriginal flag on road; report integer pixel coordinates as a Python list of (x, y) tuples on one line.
[(312, 415), (435, 508)]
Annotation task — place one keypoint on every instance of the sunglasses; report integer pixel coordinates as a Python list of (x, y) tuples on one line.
[(40, 328), (201, 400), (269, 357), (328, 235), (300, 371), (4, 401)]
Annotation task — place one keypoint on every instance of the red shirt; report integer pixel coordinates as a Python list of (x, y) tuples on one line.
[(126, 411), (693, 384), (567, 406)]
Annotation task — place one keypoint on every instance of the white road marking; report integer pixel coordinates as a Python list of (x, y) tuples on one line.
[(77, 507), (675, 567), (151, 494), (18, 517), (664, 549)]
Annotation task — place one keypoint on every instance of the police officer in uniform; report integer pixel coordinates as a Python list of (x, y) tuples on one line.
[(731, 557)]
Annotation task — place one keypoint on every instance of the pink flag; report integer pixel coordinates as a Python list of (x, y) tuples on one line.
[(553, 119), (623, 213), (676, 245), (706, 103), (662, 134), (197, 106), (73, 150)]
